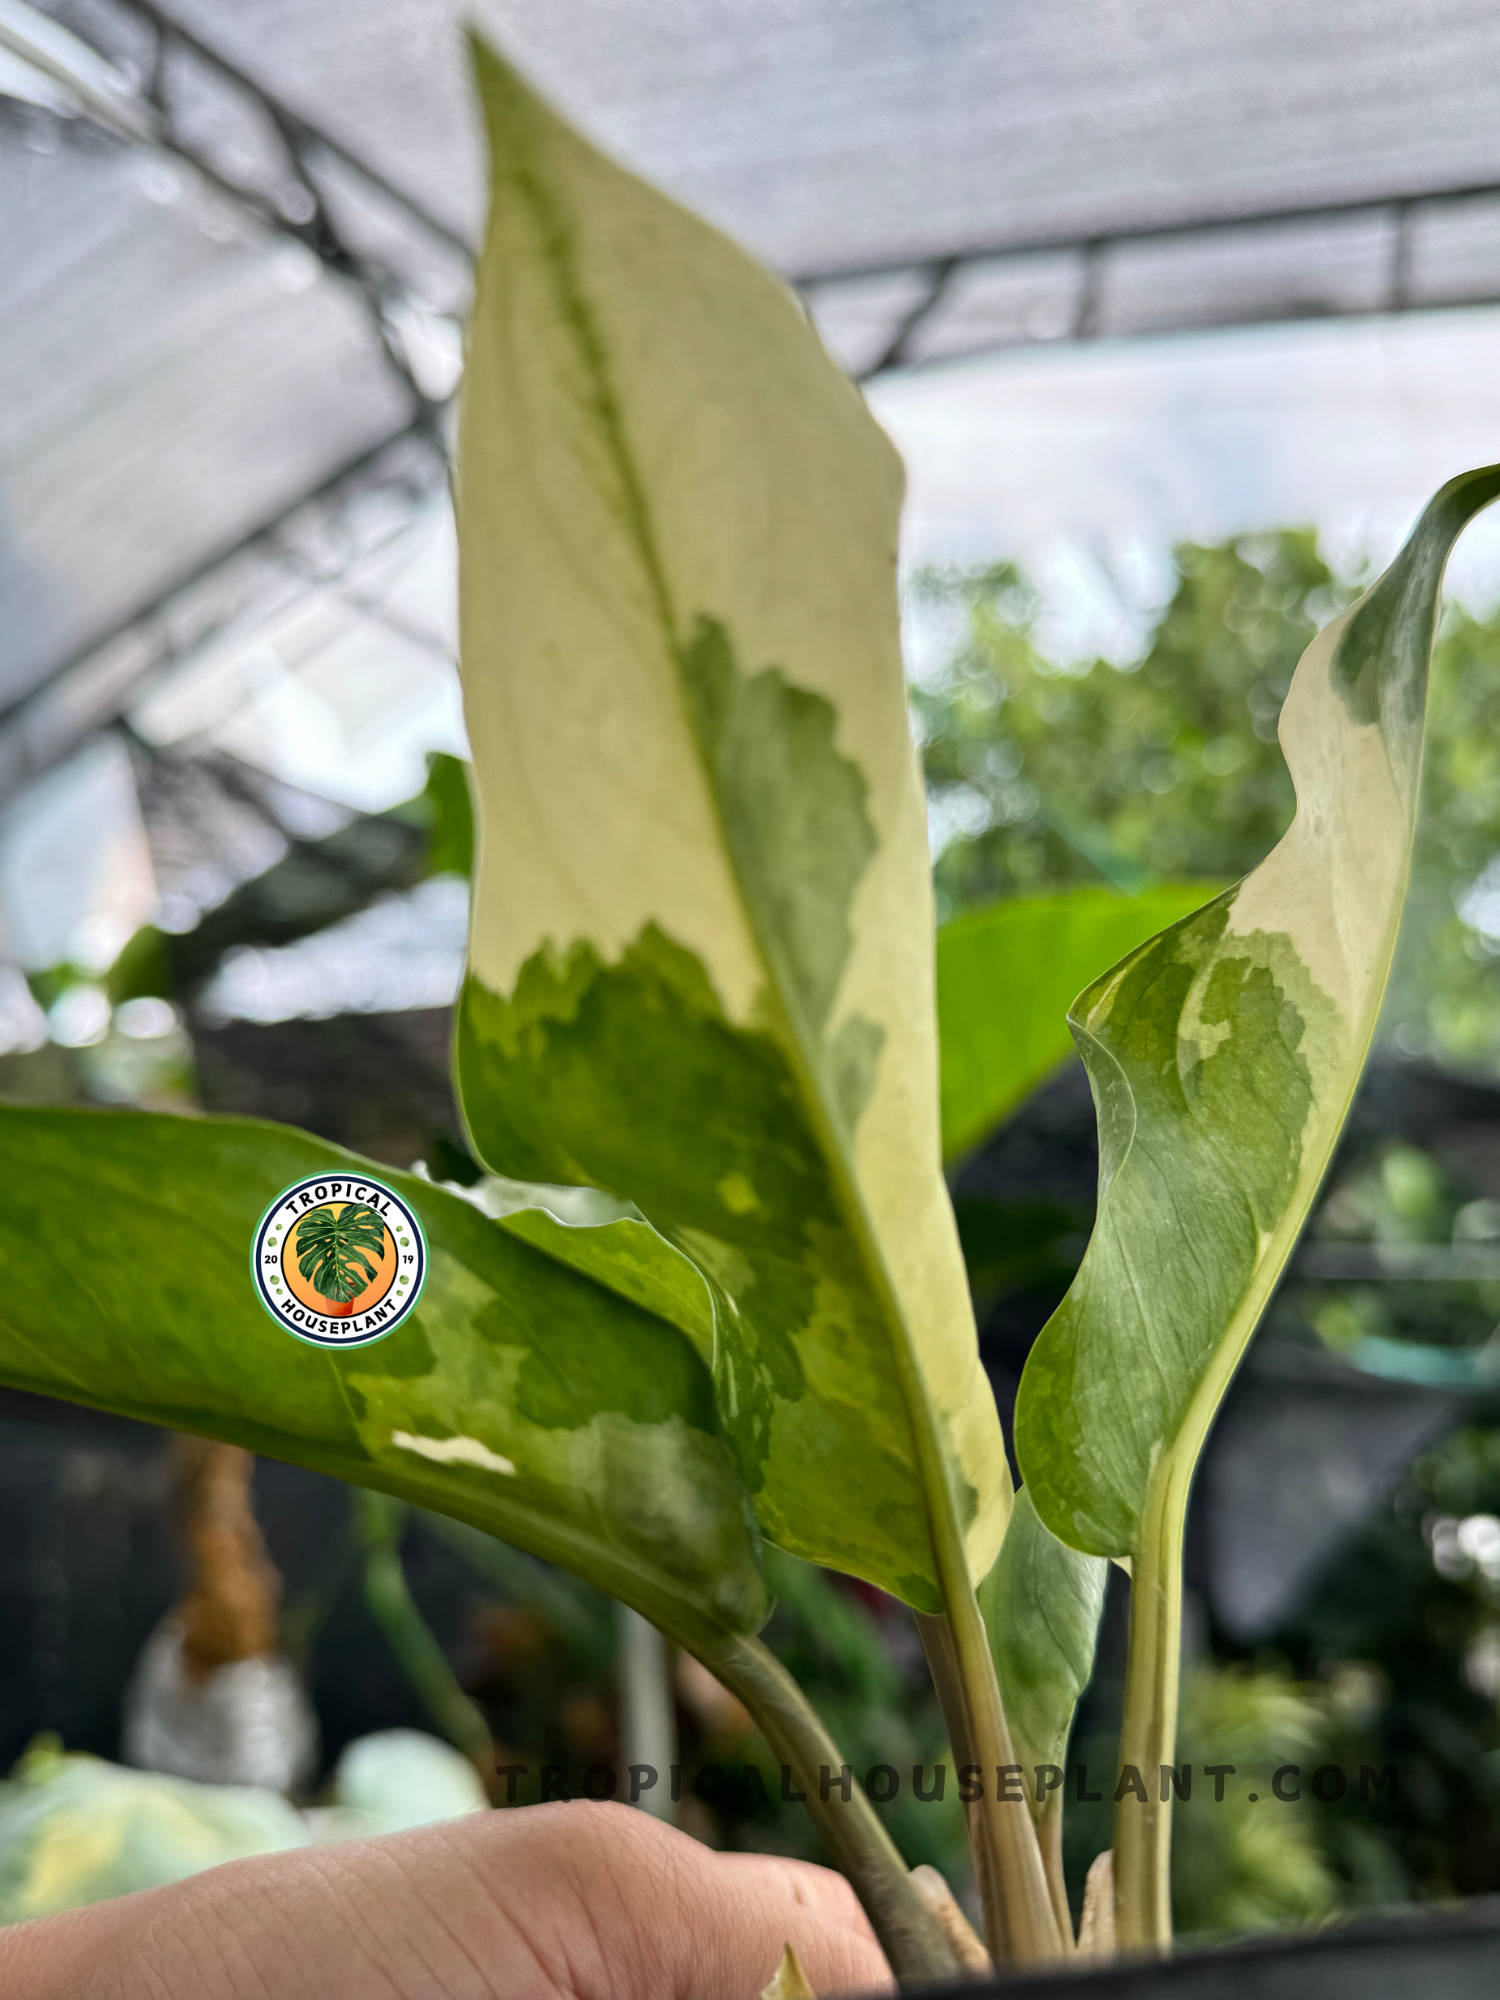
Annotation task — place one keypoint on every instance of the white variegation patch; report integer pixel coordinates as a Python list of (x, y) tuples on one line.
[(1335, 884), (651, 437), (454, 1451)]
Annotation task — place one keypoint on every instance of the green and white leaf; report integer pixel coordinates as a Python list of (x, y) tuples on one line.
[(611, 1242), (520, 1396), (1006, 976), (1042, 1603), (1223, 1057), (700, 969)]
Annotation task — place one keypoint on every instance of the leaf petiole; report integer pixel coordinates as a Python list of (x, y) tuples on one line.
[(1020, 1922), (1148, 1735), (910, 1934)]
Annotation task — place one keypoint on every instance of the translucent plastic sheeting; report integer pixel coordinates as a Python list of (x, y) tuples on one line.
[(214, 433), (344, 690), (75, 866), (327, 704), (830, 136), (169, 378), (171, 371)]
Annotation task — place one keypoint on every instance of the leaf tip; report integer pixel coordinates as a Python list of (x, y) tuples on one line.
[(790, 1981)]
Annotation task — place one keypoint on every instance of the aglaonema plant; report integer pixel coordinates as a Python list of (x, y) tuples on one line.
[(700, 967), (711, 1294)]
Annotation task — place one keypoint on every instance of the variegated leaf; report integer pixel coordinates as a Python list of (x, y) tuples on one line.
[(789, 1981), (700, 965), (521, 1396), (1223, 1057), (612, 1243), (1042, 1603)]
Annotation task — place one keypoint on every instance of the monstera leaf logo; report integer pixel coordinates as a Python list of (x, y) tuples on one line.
[(339, 1260), (331, 1251)]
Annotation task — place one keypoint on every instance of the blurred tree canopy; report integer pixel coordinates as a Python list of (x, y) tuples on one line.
[(1041, 774)]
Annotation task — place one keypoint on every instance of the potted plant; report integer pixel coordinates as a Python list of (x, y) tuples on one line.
[(700, 988)]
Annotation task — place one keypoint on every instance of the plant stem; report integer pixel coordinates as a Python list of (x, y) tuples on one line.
[(648, 1723), (912, 1937), (1019, 1921), (1049, 1834), (936, 1635), (1148, 1736), (378, 1523)]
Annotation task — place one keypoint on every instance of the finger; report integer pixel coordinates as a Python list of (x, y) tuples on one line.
[(654, 1915), (811, 1909)]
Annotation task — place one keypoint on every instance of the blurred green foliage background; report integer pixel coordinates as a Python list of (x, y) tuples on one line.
[(1168, 766)]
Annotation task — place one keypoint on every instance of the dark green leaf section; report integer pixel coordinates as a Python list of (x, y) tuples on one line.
[(1201, 1113), (1042, 1603), (629, 1077), (794, 819), (1006, 977), (519, 1396), (449, 811), (334, 1247)]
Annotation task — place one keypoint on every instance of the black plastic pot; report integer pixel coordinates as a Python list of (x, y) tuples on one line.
[(1442, 1955)]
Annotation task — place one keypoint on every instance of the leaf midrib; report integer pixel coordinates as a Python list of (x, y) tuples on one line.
[(800, 1044)]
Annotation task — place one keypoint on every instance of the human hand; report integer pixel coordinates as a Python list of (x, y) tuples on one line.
[(556, 1902)]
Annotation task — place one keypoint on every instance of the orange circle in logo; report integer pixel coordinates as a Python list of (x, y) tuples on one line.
[(385, 1267)]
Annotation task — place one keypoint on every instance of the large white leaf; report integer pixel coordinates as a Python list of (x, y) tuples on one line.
[(701, 960)]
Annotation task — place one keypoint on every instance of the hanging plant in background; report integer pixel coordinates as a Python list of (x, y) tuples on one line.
[(700, 988)]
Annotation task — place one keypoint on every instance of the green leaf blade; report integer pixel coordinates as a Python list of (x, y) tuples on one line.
[(520, 1396), (1006, 977), (1042, 1603), (701, 961), (736, 1180), (611, 1242), (1223, 1056)]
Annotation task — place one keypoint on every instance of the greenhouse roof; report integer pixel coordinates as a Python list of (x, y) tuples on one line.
[(234, 240)]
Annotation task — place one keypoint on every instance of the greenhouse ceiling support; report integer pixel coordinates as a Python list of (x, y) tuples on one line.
[(285, 188), (90, 693), (408, 270), (911, 307), (1079, 279)]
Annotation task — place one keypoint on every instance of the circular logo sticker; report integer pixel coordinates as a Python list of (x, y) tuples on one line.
[(338, 1261)]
